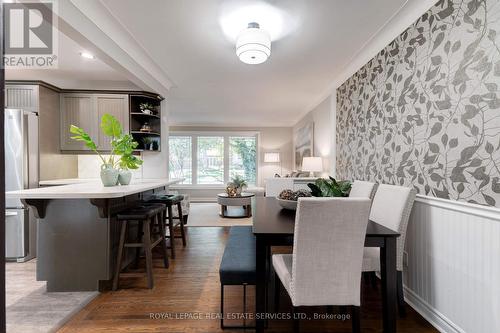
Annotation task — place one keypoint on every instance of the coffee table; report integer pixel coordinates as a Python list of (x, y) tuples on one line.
[(244, 200)]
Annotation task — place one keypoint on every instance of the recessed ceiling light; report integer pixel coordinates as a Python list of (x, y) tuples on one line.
[(87, 55)]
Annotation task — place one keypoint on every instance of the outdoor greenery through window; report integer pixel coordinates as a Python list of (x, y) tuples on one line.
[(242, 158), (210, 160), (180, 161), (213, 159)]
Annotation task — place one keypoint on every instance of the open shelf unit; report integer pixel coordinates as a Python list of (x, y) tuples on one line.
[(148, 140)]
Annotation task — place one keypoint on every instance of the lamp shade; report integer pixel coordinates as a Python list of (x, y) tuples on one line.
[(253, 45), (312, 164), (272, 157)]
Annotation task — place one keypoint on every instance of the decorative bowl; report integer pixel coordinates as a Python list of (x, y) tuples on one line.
[(287, 204)]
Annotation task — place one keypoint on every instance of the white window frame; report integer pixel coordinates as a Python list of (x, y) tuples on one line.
[(194, 154)]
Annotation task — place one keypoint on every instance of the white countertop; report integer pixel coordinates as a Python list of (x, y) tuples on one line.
[(67, 181), (91, 190)]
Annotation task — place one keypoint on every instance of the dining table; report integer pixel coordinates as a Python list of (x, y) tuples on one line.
[(274, 226)]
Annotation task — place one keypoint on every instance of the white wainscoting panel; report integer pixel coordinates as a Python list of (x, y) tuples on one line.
[(452, 275)]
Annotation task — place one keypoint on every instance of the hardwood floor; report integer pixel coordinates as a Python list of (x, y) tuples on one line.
[(190, 287)]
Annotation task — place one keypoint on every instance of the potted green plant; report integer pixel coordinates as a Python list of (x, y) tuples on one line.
[(148, 143), (146, 108), (122, 145), (238, 184), (329, 188)]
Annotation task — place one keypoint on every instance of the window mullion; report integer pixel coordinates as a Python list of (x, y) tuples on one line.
[(226, 159), (194, 159)]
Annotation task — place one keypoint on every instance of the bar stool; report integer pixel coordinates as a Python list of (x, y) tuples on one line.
[(171, 221), (148, 216)]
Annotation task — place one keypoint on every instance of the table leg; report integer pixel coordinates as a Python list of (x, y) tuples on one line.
[(260, 287), (389, 284)]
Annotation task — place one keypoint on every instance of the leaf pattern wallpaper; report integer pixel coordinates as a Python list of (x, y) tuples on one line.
[(425, 112)]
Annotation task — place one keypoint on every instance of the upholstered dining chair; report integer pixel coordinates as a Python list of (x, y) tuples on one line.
[(391, 207), (363, 189), (325, 266)]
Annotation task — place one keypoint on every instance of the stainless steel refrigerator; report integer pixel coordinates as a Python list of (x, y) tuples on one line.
[(21, 172)]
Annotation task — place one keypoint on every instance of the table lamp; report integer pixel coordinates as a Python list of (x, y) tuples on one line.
[(312, 164), (273, 157)]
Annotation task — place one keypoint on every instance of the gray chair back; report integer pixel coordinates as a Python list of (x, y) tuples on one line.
[(328, 251), (363, 189), (391, 207)]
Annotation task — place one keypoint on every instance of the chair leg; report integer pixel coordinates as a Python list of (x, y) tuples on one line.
[(355, 317), (401, 295), (160, 218), (183, 233), (171, 231), (147, 250), (373, 279), (185, 219), (296, 320), (244, 304), (138, 249), (118, 267), (222, 306), (277, 292)]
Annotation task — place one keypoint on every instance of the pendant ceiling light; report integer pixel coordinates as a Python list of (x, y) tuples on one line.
[(253, 45)]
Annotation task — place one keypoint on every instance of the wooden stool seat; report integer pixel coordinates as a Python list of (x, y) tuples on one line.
[(148, 217), (171, 221), (141, 212)]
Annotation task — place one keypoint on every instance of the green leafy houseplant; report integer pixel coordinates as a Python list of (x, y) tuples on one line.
[(122, 145), (329, 188), (148, 143), (146, 106), (239, 182)]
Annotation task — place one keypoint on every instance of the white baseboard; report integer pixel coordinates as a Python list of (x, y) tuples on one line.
[(433, 316)]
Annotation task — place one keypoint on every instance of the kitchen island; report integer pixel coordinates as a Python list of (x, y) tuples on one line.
[(77, 231)]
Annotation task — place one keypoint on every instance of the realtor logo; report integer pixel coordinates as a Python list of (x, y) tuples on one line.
[(30, 35)]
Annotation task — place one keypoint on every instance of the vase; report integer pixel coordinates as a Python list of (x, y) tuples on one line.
[(109, 175), (239, 189), (124, 177)]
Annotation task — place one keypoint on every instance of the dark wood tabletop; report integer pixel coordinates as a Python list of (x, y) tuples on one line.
[(270, 218)]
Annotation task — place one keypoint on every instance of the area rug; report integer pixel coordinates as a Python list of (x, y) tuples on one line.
[(207, 215), (30, 308)]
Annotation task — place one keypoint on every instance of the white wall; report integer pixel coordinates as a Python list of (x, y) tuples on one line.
[(452, 273), (320, 116)]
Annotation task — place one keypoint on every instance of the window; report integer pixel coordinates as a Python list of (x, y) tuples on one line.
[(242, 158), (180, 161), (210, 160), (213, 158)]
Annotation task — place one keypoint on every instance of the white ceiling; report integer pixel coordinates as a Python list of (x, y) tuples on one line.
[(74, 71), (212, 87)]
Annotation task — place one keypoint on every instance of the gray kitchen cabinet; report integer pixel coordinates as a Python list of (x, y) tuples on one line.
[(85, 110), (78, 110), (21, 96), (116, 105)]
